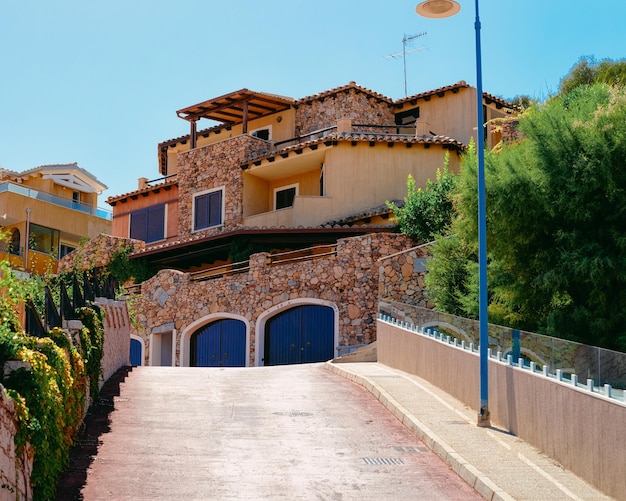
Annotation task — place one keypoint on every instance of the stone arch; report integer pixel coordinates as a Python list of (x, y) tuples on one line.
[(185, 337), (262, 319)]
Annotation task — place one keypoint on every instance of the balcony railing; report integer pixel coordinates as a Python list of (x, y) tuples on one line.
[(390, 130), (311, 136), (53, 199)]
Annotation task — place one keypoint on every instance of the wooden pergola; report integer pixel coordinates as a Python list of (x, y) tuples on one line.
[(234, 108)]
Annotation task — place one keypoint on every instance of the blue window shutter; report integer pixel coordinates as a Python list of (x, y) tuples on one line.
[(148, 224), (208, 210), (215, 208), (201, 212), (156, 223), (139, 225)]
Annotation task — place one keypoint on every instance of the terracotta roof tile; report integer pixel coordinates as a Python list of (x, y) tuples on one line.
[(343, 88), (170, 181), (362, 137), (462, 84), (379, 210), (502, 102)]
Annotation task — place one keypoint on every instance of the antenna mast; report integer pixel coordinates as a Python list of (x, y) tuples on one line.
[(407, 39)]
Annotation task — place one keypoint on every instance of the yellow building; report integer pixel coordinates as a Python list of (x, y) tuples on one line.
[(45, 212), (278, 172)]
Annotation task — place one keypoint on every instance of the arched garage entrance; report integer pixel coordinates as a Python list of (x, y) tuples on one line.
[(221, 343), (299, 335)]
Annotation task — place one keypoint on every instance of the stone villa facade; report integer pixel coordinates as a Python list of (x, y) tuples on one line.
[(267, 228), (174, 305)]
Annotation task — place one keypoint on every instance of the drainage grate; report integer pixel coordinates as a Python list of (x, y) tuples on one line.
[(383, 461), (410, 448), (293, 414)]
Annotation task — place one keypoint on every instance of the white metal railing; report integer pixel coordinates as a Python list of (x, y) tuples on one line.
[(588, 384)]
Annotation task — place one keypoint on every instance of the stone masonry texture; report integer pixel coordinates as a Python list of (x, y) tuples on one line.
[(349, 280), (350, 103), (214, 166), (14, 471)]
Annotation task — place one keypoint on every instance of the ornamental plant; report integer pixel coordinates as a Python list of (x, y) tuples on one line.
[(50, 388)]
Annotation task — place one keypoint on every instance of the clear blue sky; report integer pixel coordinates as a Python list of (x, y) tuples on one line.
[(99, 83)]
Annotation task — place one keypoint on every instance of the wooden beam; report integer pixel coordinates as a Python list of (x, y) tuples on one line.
[(245, 118), (193, 136)]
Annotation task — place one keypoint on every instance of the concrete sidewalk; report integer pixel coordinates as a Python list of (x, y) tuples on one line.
[(497, 464)]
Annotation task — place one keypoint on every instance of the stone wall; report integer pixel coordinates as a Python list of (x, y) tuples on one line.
[(510, 131), (172, 302), (402, 276), (214, 166), (97, 252), (349, 103), (14, 472)]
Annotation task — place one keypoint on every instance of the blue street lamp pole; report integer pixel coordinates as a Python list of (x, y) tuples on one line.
[(441, 9)]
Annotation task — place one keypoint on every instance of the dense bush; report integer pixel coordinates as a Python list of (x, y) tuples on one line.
[(50, 389)]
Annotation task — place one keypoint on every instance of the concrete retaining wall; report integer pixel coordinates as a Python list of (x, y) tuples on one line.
[(581, 430)]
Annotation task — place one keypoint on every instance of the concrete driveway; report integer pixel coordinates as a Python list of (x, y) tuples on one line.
[(288, 432)]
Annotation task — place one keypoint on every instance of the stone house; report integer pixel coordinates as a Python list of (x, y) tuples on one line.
[(277, 176)]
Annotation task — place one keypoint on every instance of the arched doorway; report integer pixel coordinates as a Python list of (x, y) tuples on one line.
[(299, 335), (136, 352), (219, 344)]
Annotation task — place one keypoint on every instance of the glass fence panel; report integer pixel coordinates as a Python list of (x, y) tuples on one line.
[(53, 199), (587, 362)]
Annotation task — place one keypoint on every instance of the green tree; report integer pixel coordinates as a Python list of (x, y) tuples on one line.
[(588, 71), (429, 211), (556, 213)]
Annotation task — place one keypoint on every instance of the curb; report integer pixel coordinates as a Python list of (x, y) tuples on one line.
[(480, 482)]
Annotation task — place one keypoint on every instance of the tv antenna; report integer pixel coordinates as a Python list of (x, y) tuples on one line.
[(407, 40)]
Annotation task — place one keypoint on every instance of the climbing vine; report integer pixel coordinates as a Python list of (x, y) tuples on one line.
[(124, 269), (49, 382), (49, 391), (92, 347)]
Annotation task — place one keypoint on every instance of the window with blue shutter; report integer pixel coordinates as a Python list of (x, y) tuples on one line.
[(207, 210), (148, 224)]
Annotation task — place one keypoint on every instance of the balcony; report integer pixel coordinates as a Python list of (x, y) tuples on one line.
[(53, 199), (39, 263), (306, 211)]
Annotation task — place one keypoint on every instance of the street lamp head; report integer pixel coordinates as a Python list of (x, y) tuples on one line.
[(438, 8)]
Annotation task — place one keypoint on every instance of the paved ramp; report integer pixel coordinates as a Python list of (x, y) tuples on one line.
[(288, 432)]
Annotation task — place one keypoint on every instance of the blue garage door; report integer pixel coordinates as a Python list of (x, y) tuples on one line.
[(219, 344), (135, 353), (300, 335)]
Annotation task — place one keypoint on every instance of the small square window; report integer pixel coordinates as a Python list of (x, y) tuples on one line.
[(208, 209), (283, 197)]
